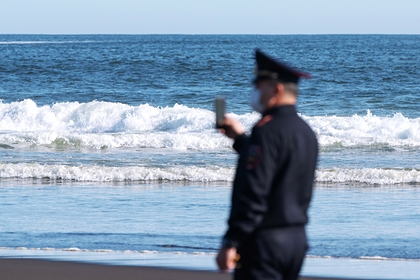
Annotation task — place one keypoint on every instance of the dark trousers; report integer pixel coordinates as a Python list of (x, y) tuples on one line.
[(272, 254)]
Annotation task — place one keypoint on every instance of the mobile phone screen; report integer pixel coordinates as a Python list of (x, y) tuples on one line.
[(220, 111)]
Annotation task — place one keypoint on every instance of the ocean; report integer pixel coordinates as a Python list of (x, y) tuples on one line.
[(107, 142)]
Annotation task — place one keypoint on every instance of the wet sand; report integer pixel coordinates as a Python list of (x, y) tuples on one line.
[(32, 269)]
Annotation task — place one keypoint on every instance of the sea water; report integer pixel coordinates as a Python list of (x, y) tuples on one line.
[(107, 143)]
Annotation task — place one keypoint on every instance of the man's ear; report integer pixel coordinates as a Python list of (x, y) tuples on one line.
[(280, 89)]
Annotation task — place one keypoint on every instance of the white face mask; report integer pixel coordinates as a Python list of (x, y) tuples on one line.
[(256, 101)]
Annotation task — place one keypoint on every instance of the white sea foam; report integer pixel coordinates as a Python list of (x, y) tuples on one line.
[(114, 174), (109, 251), (395, 130), (373, 258), (23, 171), (114, 125), (42, 42), (369, 176), (75, 249)]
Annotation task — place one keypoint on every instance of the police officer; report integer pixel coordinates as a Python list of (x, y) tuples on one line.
[(272, 189)]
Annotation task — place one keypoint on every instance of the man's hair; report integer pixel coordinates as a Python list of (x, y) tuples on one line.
[(291, 88)]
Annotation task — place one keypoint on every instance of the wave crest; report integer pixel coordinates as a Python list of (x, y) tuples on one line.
[(114, 125), (366, 130), (114, 174), (94, 173)]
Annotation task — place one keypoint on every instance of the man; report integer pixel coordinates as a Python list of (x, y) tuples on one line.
[(272, 189)]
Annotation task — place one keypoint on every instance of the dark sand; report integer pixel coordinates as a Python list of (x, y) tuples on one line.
[(31, 269)]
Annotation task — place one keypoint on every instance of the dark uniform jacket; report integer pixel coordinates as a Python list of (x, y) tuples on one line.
[(274, 176)]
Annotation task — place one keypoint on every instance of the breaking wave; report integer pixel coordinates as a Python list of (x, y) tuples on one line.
[(100, 125), (25, 171)]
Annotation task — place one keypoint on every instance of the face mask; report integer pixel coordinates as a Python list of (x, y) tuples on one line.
[(256, 101)]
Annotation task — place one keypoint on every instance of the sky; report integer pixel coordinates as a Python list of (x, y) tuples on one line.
[(209, 17)]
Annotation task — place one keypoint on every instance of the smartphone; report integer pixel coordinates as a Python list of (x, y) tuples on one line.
[(220, 111)]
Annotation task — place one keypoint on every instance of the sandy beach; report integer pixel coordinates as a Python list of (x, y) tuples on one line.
[(45, 264), (19, 269)]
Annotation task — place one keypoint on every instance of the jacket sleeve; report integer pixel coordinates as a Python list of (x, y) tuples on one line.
[(240, 142), (255, 174)]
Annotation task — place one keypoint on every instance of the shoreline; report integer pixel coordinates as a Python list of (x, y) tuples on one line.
[(23, 264), (36, 269)]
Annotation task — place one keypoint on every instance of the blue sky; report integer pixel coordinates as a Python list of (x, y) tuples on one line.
[(209, 17)]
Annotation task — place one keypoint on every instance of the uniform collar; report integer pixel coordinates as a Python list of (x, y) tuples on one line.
[(285, 110)]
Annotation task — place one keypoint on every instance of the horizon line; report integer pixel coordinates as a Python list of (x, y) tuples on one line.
[(209, 34)]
